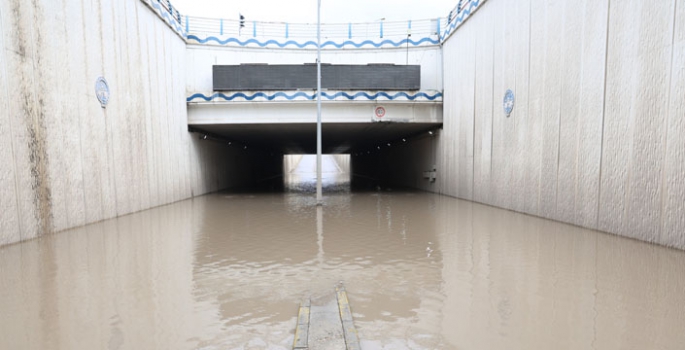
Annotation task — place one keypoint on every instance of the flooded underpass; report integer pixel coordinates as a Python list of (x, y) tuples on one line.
[(422, 271)]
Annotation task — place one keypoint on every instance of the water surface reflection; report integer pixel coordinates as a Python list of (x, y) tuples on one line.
[(422, 271)]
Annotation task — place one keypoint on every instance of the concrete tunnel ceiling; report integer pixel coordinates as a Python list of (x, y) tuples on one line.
[(300, 138)]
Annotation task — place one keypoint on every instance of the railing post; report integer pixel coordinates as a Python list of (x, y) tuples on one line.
[(437, 29), (381, 29), (287, 30), (187, 25), (254, 28), (349, 30), (221, 30)]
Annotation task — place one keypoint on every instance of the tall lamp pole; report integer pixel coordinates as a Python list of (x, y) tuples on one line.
[(319, 199)]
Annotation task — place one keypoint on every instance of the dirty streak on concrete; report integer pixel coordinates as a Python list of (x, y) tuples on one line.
[(325, 327), (325, 322), (32, 108), (302, 329)]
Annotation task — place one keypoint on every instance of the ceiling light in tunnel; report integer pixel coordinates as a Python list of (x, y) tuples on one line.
[(430, 132), (404, 140), (388, 144), (229, 143), (245, 147), (379, 147), (204, 137)]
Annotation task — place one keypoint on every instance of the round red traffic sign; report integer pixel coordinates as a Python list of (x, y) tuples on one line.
[(380, 112)]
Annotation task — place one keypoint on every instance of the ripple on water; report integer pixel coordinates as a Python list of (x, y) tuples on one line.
[(227, 271)]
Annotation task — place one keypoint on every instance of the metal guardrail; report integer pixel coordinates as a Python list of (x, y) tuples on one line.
[(166, 4), (379, 29)]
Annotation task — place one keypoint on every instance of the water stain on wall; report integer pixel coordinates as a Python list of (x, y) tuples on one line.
[(33, 110)]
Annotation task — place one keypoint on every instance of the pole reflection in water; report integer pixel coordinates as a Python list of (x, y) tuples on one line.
[(227, 271), (319, 234)]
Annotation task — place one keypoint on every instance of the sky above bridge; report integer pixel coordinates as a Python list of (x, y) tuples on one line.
[(304, 11)]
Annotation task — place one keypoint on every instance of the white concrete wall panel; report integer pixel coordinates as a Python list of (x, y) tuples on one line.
[(143, 134), (499, 158), (483, 109), (64, 160), (505, 78), (26, 121), (571, 61), (9, 222), (97, 187), (520, 45), (116, 119), (591, 112), (47, 59), (621, 89), (651, 119), (596, 136), (464, 149), (75, 81), (673, 190), (552, 51), (637, 83), (535, 108), (447, 167)]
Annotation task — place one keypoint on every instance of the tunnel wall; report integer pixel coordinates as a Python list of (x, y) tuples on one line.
[(597, 135), (402, 165), (64, 160)]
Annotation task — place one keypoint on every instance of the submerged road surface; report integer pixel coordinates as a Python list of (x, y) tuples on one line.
[(422, 271)]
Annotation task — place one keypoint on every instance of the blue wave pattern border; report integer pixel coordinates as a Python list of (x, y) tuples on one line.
[(311, 96), (312, 44), (465, 13), (168, 19)]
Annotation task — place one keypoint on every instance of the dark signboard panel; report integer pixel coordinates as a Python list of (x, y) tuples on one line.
[(337, 77)]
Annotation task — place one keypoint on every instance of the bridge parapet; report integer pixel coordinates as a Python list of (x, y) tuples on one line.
[(372, 35), (261, 34)]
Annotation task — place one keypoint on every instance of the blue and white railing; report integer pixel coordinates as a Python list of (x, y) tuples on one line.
[(229, 32), (379, 34), (379, 29), (458, 15), (169, 14)]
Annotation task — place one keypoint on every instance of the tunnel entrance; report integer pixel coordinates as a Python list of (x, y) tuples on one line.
[(299, 172)]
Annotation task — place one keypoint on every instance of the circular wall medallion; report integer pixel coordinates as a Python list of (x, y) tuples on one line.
[(508, 102), (102, 91), (379, 112)]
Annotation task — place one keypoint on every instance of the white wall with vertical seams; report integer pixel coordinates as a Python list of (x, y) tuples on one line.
[(64, 160), (9, 224), (596, 135), (673, 187)]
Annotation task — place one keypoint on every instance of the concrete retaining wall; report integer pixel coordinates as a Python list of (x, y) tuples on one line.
[(597, 134), (64, 160)]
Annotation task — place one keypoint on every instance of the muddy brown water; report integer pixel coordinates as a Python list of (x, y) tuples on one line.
[(422, 271)]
